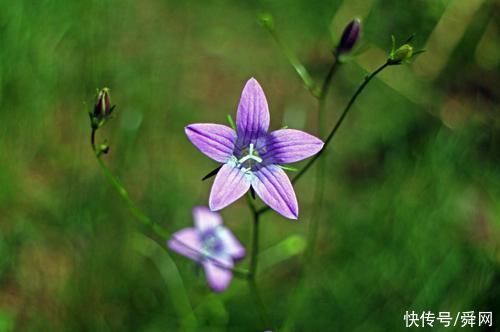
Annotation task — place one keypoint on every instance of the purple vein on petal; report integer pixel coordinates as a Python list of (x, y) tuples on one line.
[(252, 118), (290, 145), (214, 140), (276, 192), (230, 184)]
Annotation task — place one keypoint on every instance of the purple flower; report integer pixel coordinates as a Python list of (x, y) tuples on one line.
[(251, 156), (210, 244)]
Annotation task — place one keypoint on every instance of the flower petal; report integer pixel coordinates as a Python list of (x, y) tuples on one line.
[(231, 244), (252, 118), (230, 184), (290, 145), (274, 187), (218, 277), (186, 242), (214, 140), (205, 219)]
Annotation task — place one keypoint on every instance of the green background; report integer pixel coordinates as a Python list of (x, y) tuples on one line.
[(411, 218)]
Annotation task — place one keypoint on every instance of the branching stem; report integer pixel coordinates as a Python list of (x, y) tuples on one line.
[(335, 128)]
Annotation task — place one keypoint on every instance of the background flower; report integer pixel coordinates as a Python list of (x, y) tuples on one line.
[(210, 244)]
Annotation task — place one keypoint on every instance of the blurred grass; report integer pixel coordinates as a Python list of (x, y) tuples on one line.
[(411, 220)]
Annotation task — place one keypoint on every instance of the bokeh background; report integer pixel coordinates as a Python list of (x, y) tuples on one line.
[(411, 213)]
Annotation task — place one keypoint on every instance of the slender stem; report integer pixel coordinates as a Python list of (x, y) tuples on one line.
[(337, 125), (255, 244), (312, 233), (324, 92), (313, 225), (120, 189), (92, 140), (154, 228), (319, 193), (252, 283), (259, 304), (339, 121)]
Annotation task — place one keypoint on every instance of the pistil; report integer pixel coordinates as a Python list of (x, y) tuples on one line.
[(251, 155)]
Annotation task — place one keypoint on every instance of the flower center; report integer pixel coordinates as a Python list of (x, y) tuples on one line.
[(250, 158), (211, 243)]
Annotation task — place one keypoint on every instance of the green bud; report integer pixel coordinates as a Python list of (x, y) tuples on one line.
[(266, 19), (403, 53), (103, 148)]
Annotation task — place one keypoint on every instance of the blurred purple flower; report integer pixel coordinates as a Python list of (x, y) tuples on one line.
[(251, 156), (210, 244)]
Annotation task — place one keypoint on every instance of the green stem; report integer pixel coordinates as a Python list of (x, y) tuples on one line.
[(312, 233), (318, 199), (92, 140), (153, 228), (252, 284), (255, 244), (340, 121), (324, 92), (259, 304), (337, 125)]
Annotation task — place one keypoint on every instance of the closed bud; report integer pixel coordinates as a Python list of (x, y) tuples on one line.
[(103, 148), (266, 19), (404, 53), (350, 36), (103, 106), (102, 109)]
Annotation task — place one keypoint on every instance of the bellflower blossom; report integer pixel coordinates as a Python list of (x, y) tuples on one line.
[(210, 244), (251, 156)]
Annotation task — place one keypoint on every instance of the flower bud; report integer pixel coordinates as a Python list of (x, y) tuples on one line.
[(403, 53), (102, 109), (103, 106), (267, 20), (103, 148), (350, 36)]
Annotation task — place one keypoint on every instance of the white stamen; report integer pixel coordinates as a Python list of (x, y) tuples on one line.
[(250, 155)]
